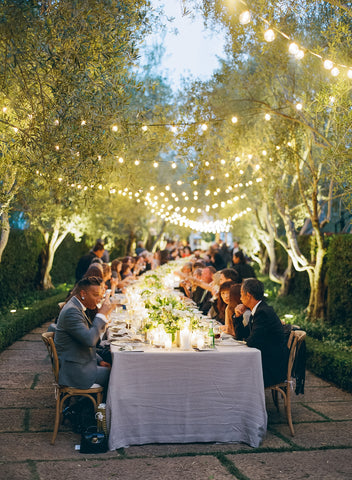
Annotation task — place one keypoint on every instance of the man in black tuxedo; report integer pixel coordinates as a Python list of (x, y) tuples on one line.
[(264, 331)]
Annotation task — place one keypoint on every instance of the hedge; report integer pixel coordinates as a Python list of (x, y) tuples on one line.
[(339, 273), (14, 325), (330, 363)]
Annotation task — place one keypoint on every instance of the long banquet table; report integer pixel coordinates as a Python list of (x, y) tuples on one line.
[(158, 396)]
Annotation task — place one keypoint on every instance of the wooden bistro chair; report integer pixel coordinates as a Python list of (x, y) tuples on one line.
[(62, 393), (285, 388)]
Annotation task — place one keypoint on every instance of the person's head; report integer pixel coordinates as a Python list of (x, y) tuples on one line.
[(238, 257), (140, 244), (94, 270), (106, 272), (223, 298), (128, 260), (90, 292), (98, 249), (125, 270), (252, 291), (199, 264), (207, 274), (175, 253), (197, 273), (228, 274), (234, 296), (224, 292), (186, 251), (164, 256), (187, 268), (116, 266), (97, 260)]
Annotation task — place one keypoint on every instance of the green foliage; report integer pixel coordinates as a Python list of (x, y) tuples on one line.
[(339, 271), (66, 259), (330, 363), (14, 325), (19, 267)]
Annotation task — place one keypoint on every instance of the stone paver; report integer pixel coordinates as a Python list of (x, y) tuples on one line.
[(320, 449), (192, 468), (317, 465)]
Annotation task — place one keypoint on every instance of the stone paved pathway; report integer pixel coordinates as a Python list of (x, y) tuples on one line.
[(320, 450)]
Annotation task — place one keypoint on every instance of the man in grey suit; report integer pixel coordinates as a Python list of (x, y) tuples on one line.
[(76, 337)]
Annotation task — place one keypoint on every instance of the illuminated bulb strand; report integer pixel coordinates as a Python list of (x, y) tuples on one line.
[(294, 48)]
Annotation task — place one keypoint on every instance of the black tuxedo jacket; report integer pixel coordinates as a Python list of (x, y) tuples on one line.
[(267, 334)]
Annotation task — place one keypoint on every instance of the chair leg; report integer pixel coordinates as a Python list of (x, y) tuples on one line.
[(274, 394), (288, 411), (57, 418)]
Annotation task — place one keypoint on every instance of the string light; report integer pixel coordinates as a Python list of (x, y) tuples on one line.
[(245, 17), (269, 35), (114, 128)]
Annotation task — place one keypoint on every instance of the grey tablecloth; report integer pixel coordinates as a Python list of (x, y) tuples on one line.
[(180, 397)]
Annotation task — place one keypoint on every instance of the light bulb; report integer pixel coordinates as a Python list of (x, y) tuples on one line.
[(349, 73), (204, 127), (114, 128), (293, 48), (335, 71), (299, 106), (234, 119), (269, 35), (328, 64), (267, 117), (299, 55), (245, 17), (144, 128), (136, 162)]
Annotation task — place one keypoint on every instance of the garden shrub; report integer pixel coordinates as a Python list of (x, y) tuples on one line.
[(19, 266), (14, 325), (339, 275), (330, 362)]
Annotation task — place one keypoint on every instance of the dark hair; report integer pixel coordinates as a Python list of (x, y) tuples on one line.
[(199, 264), (240, 256), (98, 246), (231, 274), (88, 282), (124, 267), (221, 304), (97, 260), (235, 295), (211, 269), (164, 256), (254, 287), (106, 269), (114, 264), (94, 270)]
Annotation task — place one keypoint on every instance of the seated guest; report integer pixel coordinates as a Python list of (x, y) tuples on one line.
[(75, 339), (233, 299), (241, 266), (264, 331), (229, 275), (86, 260), (204, 303), (222, 301)]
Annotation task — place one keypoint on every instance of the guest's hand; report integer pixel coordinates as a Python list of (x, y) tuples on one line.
[(105, 364), (107, 307), (240, 309)]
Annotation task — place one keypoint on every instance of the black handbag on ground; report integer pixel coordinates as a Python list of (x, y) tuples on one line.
[(93, 441)]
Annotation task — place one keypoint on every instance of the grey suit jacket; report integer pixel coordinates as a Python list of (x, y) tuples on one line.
[(75, 344)]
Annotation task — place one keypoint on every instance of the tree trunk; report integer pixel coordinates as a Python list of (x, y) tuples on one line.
[(131, 241), (47, 256), (155, 244), (5, 232)]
